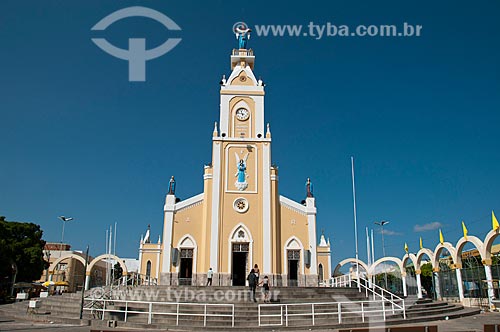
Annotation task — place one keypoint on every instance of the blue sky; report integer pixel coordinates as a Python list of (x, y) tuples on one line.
[(420, 116)]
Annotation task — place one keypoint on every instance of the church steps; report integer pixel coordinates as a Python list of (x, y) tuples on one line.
[(66, 309)]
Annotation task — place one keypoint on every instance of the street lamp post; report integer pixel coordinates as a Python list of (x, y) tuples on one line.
[(382, 224), (64, 220)]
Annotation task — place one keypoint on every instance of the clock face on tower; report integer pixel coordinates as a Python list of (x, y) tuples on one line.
[(242, 114)]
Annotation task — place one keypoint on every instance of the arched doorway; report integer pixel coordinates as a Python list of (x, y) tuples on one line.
[(294, 251), (148, 269), (187, 260), (320, 273), (240, 259)]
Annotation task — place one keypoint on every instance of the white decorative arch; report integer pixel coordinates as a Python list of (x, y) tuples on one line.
[(235, 238), (439, 248), (187, 241), (350, 260), (420, 254), (379, 261), (461, 244), (488, 243), (293, 243), (54, 264), (409, 257), (107, 256)]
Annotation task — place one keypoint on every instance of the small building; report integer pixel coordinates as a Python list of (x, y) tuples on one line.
[(69, 269)]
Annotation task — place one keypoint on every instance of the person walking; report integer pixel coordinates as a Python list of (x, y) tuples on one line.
[(265, 284), (252, 284), (210, 275), (257, 273)]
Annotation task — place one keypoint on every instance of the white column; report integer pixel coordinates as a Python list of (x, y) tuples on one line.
[(311, 227), (403, 279), (266, 209), (489, 280), (140, 257), (87, 282), (216, 187), (158, 263), (437, 287), (124, 280), (168, 231), (51, 275), (419, 286), (460, 284)]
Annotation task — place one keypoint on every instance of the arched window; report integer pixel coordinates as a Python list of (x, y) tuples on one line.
[(148, 269), (320, 272)]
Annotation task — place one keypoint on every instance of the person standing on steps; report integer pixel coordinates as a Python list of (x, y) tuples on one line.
[(265, 284), (210, 275), (252, 283), (257, 273)]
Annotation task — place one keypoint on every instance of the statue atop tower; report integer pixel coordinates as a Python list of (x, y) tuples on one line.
[(242, 32), (171, 186), (309, 189)]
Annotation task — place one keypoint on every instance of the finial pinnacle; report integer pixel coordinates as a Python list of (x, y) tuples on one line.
[(216, 132), (223, 80)]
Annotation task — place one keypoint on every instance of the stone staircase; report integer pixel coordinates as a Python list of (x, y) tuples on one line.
[(66, 308)]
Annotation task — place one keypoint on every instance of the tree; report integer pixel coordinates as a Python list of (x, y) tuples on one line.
[(21, 246), (118, 271), (426, 277)]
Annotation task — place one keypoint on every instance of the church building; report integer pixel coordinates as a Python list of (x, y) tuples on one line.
[(240, 219)]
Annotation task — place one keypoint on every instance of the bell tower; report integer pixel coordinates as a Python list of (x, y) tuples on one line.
[(241, 171)]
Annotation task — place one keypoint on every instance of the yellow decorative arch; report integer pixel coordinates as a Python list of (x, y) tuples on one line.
[(60, 259), (107, 256), (350, 260), (386, 259)]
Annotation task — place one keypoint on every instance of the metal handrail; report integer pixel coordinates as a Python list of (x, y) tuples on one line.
[(384, 294), (150, 311), (284, 313)]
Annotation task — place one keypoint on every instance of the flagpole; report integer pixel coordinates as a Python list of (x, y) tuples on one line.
[(373, 248), (355, 223), (368, 247), (114, 244), (373, 254)]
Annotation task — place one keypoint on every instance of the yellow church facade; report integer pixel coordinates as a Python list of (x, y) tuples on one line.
[(240, 219)]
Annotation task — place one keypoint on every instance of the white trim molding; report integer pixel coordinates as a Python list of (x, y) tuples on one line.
[(189, 203), (292, 205)]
